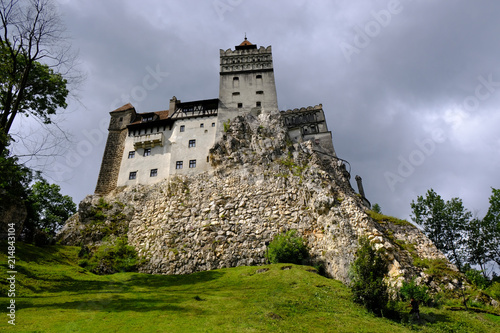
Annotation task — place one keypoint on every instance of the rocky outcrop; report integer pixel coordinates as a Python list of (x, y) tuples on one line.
[(262, 185)]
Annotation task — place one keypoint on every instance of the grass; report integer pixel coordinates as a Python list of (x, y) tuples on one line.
[(383, 218), (54, 294)]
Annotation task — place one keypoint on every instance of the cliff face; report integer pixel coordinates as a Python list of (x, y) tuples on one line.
[(262, 184)]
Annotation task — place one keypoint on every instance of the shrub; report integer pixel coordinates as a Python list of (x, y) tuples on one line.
[(494, 291), (287, 248), (367, 274), (477, 279), (411, 290), (111, 258)]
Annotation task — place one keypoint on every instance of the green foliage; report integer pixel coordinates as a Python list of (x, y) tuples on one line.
[(411, 290), (491, 225), (494, 291), (376, 208), (28, 87), (367, 275), (437, 268), (226, 126), (382, 218), (15, 179), (445, 223), (110, 258), (47, 212), (287, 248), (476, 278), (294, 168)]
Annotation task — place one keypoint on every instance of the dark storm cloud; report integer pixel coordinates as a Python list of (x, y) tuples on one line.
[(417, 75)]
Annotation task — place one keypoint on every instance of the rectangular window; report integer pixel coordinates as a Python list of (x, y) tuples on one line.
[(259, 76), (192, 163), (192, 143), (178, 165), (132, 175), (213, 124), (259, 92), (258, 104), (131, 154), (147, 151), (182, 128), (202, 125), (153, 173), (240, 105)]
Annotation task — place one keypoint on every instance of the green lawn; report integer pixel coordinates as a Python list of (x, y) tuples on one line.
[(53, 294)]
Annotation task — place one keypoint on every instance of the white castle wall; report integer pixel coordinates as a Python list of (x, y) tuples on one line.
[(175, 148)]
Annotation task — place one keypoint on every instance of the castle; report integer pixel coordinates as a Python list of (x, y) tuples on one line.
[(145, 148), (208, 184)]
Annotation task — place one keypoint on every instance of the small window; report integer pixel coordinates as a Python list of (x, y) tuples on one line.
[(236, 93), (131, 154), (183, 128), (202, 125), (259, 76), (147, 151), (208, 159), (121, 119), (153, 173), (240, 105), (236, 78), (258, 104), (192, 163), (132, 175), (192, 143), (178, 165), (213, 124), (259, 92)]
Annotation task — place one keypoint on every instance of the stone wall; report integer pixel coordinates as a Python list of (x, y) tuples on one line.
[(263, 184)]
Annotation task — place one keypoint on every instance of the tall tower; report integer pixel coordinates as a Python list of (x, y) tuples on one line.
[(246, 80), (113, 152)]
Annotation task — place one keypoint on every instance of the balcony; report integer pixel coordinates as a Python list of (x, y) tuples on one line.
[(148, 140)]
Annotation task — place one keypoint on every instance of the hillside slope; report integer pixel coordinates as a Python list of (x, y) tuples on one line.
[(55, 295)]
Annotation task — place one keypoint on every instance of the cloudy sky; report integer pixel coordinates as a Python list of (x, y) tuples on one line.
[(411, 89)]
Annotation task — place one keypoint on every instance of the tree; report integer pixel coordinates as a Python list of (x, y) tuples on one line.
[(478, 243), (34, 60), (47, 212), (376, 208), (491, 225), (445, 223), (367, 278)]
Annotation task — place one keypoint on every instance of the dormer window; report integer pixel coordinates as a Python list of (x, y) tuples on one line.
[(145, 119)]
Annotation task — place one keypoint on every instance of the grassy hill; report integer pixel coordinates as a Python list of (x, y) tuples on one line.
[(53, 294)]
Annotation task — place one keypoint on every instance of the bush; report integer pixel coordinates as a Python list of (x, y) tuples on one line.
[(367, 275), (411, 290), (287, 248), (477, 279), (111, 258), (494, 291)]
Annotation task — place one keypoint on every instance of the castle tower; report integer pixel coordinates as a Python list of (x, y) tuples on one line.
[(247, 80), (113, 152)]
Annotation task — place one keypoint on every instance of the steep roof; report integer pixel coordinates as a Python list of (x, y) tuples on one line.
[(125, 107)]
